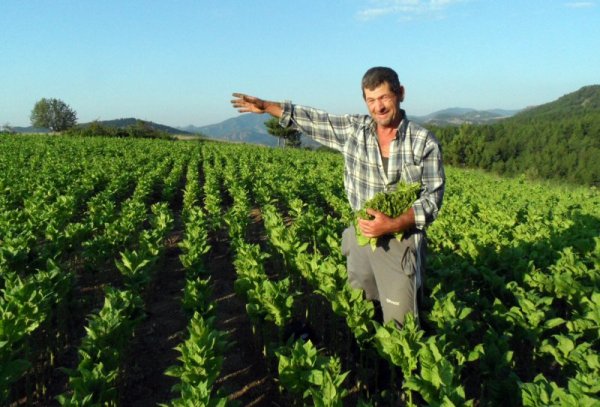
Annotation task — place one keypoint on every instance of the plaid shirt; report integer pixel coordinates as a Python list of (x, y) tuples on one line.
[(415, 156)]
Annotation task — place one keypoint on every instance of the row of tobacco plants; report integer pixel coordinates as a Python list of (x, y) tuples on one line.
[(511, 313)]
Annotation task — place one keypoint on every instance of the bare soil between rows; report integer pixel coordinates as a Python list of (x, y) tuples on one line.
[(244, 376)]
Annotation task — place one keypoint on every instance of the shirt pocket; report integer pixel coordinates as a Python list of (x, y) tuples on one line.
[(411, 173)]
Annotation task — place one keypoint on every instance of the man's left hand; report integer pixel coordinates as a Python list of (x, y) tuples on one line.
[(377, 227)]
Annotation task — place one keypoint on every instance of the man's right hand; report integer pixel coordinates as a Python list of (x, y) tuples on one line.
[(250, 104)]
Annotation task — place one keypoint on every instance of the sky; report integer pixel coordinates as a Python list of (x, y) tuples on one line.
[(178, 62)]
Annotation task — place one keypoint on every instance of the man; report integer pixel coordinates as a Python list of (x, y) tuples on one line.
[(379, 151)]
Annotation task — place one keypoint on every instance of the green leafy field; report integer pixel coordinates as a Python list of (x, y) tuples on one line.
[(512, 300)]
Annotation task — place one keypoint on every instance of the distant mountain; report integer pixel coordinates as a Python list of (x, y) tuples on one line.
[(581, 102), (246, 128), (250, 128), (460, 115)]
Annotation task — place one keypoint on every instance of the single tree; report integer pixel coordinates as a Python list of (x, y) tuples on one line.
[(290, 137), (53, 114), (7, 129)]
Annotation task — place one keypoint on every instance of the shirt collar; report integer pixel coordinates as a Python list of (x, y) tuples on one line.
[(402, 127)]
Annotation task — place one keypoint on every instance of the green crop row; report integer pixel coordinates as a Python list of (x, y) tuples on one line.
[(511, 311)]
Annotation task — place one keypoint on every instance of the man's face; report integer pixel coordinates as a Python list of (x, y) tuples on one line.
[(384, 105)]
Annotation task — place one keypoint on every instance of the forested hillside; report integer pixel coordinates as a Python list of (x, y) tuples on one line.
[(585, 100), (131, 122), (558, 140)]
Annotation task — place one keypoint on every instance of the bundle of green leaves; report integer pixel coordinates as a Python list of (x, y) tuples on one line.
[(393, 204)]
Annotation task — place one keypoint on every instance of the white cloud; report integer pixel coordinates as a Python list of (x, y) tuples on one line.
[(580, 4), (407, 9)]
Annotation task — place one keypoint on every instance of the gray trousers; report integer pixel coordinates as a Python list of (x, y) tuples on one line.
[(392, 274)]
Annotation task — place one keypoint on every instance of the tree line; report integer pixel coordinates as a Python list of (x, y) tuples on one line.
[(57, 116), (550, 146), (558, 148), (140, 129)]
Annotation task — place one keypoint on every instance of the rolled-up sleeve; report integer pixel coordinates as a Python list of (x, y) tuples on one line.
[(429, 203), (286, 117)]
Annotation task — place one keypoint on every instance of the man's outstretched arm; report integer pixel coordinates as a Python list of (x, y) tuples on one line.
[(250, 104)]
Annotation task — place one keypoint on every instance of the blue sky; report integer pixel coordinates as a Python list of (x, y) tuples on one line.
[(177, 62)]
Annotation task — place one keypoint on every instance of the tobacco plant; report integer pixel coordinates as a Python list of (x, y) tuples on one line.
[(306, 373)]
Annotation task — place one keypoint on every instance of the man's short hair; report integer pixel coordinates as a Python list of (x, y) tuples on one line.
[(379, 75)]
